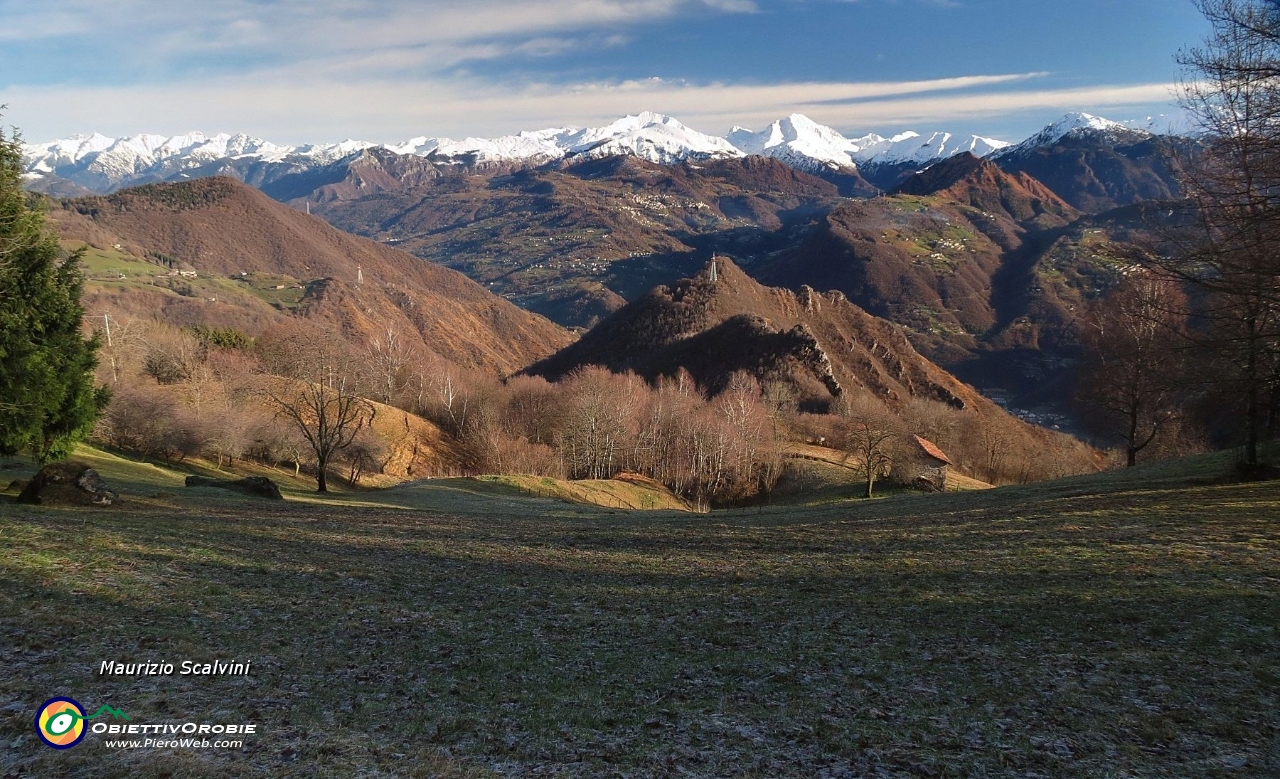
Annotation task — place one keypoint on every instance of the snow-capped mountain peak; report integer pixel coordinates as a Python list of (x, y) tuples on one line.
[(798, 141), (916, 149), (1073, 125), (1076, 122), (101, 163), (648, 135)]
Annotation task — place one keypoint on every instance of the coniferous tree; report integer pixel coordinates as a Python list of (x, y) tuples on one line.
[(47, 397)]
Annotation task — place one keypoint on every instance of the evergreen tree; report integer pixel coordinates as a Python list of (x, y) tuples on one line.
[(47, 397)]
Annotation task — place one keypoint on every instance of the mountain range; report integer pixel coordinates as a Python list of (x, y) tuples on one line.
[(984, 252), (99, 164), (219, 254)]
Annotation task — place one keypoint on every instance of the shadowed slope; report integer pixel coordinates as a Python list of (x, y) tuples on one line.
[(1095, 172), (712, 326), (821, 346), (977, 182)]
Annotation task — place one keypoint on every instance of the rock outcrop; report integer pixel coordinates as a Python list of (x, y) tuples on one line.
[(70, 483), (254, 486)]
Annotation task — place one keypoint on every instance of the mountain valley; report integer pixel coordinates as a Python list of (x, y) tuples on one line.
[(984, 251)]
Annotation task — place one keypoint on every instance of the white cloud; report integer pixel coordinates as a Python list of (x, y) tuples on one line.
[(315, 70), (146, 39), (38, 23), (733, 6), (296, 26), (295, 111)]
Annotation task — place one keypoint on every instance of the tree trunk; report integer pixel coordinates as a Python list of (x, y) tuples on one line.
[(322, 484), (871, 482), (1273, 410), (1133, 439), (1251, 399)]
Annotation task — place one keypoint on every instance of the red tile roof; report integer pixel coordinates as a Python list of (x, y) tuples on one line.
[(930, 449)]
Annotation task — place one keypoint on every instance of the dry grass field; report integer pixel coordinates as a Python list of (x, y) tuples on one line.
[(1126, 624)]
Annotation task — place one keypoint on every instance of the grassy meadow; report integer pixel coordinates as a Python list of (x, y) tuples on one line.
[(1126, 624)]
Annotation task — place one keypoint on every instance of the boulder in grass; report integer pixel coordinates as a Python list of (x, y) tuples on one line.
[(69, 483), (255, 486), (17, 485)]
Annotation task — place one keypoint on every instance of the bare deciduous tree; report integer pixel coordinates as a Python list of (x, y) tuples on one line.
[(317, 391), (871, 436), (1232, 255), (444, 396), (390, 361), (365, 453), (1134, 339), (755, 459), (172, 356), (533, 410), (600, 410)]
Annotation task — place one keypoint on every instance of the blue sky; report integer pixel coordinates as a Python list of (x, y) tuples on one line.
[(298, 71)]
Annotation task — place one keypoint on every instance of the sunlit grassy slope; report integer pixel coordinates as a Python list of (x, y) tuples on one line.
[(1123, 624)]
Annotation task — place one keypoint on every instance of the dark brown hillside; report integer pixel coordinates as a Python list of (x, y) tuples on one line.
[(569, 238), (972, 181), (1096, 173), (993, 300), (925, 263), (822, 344), (231, 234), (888, 175), (58, 187), (371, 172), (941, 256), (948, 255)]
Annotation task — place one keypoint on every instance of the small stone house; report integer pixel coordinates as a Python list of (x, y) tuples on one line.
[(932, 463)]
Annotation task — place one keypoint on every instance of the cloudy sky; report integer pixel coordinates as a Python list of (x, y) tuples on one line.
[(296, 71)]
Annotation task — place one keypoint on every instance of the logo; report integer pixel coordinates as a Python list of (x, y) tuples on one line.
[(60, 721)]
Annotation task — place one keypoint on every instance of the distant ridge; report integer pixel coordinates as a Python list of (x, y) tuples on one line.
[(722, 321), (980, 183), (102, 164), (1096, 164), (820, 345)]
